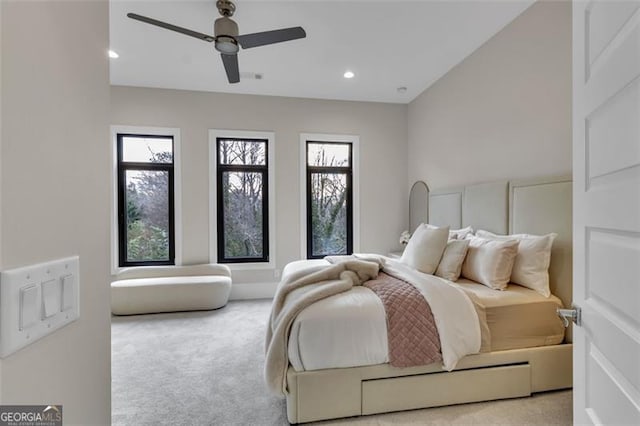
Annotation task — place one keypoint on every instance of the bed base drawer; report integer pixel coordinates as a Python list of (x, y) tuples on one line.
[(345, 392), (446, 388)]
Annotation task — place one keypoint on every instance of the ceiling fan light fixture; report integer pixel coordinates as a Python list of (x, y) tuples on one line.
[(225, 36), (226, 45), (348, 74)]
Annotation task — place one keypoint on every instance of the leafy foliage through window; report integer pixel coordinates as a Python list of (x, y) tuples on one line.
[(145, 200), (242, 179), (329, 199)]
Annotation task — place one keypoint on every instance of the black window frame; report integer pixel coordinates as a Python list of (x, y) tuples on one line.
[(310, 170), (123, 167), (247, 168)]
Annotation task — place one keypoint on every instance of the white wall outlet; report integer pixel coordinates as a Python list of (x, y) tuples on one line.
[(276, 273), (37, 300)]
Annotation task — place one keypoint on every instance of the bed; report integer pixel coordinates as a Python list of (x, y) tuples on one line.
[(525, 347)]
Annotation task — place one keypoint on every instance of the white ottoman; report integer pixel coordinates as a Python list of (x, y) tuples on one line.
[(152, 289)]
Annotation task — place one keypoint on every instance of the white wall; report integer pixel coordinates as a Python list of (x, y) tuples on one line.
[(1, 133), (504, 112), (383, 133), (55, 192)]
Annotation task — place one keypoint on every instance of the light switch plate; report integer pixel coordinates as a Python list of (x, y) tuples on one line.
[(19, 324)]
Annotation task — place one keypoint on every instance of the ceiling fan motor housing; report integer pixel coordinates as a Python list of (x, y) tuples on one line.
[(226, 31), (225, 27)]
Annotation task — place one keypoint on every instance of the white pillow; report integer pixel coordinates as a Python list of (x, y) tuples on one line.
[(460, 234), (455, 234), (531, 267), (425, 248), (450, 265), (490, 262)]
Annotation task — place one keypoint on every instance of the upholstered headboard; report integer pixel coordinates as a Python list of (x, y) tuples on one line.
[(445, 207), (542, 206), (538, 206), (486, 206)]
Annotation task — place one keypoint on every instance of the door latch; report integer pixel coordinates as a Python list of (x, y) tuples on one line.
[(574, 314)]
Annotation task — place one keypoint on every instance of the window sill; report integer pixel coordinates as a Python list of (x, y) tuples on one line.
[(249, 266), (115, 270)]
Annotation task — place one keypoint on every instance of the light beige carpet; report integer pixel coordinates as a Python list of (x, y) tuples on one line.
[(549, 408), (205, 368)]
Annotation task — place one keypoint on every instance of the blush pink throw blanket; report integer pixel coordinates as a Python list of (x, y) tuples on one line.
[(411, 330)]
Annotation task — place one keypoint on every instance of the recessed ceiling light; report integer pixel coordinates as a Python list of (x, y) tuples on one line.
[(113, 54), (402, 89), (348, 74)]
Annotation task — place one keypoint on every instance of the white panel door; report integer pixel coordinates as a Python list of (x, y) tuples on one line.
[(606, 173)]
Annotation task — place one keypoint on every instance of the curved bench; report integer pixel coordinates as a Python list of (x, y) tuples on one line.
[(153, 289)]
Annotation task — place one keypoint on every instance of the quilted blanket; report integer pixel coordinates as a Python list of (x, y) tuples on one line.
[(453, 311), (411, 329)]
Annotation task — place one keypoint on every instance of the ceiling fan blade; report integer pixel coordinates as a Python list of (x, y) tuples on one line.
[(171, 27), (269, 37), (231, 67)]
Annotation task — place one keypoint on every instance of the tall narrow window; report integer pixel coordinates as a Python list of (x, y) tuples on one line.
[(329, 198), (146, 231), (242, 200)]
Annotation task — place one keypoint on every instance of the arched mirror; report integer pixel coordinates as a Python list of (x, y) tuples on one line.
[(418, 205)]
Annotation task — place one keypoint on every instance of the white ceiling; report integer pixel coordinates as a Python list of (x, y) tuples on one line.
[(387, 44)]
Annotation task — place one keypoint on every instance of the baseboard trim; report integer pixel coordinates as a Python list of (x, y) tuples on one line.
[(247, 291)]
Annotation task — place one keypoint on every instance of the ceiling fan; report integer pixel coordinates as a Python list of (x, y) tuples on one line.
[(226, 38)]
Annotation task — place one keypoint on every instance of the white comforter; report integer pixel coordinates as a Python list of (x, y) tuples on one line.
[(349, 329)]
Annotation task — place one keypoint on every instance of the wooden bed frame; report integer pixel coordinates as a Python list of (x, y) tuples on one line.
[(536, 206)]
